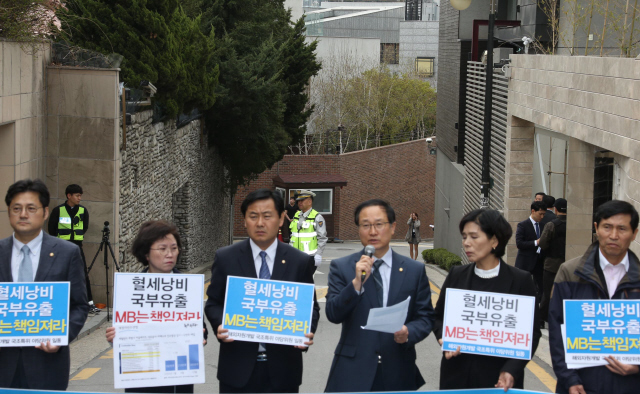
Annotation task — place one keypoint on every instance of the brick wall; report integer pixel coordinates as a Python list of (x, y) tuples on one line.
[(403, 174), (289, 165)]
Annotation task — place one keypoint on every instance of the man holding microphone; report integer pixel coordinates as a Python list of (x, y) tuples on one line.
[(367, 360)]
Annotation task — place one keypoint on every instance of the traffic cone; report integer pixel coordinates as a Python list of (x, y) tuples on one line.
[(280, 236)]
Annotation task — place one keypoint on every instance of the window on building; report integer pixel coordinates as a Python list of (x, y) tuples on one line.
[(390, 53), (323, 201), (425, 66)]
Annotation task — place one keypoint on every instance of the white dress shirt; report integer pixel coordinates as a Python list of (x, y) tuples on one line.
[(613, 274), (35, 245), (385, 273), (534, 228), (271, 255), (257, 261)]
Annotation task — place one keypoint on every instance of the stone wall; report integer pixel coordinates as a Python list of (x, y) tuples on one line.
[(172, 175), (594, 103)]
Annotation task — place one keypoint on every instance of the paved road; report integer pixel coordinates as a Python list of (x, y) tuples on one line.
[(92, 358)]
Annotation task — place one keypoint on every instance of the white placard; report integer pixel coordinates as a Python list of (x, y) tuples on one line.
[(491, 324), (158, 354), (157, 298)]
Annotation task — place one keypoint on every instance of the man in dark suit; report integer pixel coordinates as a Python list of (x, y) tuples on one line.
[(250, 367), (527, 240), (549, 201), (30, 255), (368, 360)]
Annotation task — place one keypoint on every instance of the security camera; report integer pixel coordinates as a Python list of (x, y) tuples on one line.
[(429, 140)]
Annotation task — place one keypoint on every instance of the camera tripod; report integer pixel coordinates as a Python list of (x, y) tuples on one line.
[(105, 244)]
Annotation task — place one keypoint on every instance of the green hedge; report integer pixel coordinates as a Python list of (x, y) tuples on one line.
[(442, 257)]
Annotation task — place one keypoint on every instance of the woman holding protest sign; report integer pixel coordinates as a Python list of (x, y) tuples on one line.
[(485, 234), (157, 246)]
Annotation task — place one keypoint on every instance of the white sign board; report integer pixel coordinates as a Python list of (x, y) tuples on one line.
[(159, 330), (491, 324)]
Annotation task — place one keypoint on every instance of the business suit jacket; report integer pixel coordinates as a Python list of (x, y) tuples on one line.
[(477, 371), (60, 261), (356, 356), (526, 237), (548, 216), (238, 358)]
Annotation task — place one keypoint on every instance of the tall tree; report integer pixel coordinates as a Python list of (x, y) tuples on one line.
[(159, 42), (265, 66)]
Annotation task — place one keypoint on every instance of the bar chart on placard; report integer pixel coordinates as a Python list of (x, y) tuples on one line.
[(189, 361)]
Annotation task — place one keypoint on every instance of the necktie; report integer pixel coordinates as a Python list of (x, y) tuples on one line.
[(378, 280), (537, 230), (25, 273), (264, 268), (264, 274)]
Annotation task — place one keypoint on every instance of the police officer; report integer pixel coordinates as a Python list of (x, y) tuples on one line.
[(308, 228), (70, 221)]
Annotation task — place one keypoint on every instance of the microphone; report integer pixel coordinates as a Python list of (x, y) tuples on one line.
[(369, 250)]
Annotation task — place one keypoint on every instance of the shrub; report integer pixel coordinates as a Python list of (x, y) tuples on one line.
[(442, 257)]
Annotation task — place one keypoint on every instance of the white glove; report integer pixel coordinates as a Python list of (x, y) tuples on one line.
[(318, 259)]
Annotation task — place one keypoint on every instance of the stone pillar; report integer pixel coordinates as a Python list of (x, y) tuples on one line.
[(518, 177), (579, 197), (82, 138)]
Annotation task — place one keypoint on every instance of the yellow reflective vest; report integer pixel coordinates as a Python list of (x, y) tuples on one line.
[(66, 225), (305, 239)]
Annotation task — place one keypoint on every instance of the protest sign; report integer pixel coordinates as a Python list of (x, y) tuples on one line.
[(467, 391), (158, 354), (32, 313), (159, 330), (491, 324), (268, 311), (596, 329), (157, 298)]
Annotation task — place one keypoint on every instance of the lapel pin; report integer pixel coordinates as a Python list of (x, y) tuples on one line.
[(283, 261), (50, 254), (400, 269)]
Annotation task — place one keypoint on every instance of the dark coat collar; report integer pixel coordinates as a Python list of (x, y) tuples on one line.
[(503, 284), (395, 281), (586, 268)]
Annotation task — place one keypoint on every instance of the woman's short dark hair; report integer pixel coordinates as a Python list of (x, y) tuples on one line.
[(416, 213), (492, 223), (616, 207), (391, 214), (28, 185), (263, 194), (149, 233)]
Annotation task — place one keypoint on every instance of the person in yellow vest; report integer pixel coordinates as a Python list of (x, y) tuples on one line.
[(70, 221), (308, 228)]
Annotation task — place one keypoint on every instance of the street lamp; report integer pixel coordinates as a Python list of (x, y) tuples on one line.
[(488, 98)]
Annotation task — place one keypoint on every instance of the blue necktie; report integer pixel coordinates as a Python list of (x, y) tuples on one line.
[(264, 268), (378, 280), (264, 274), (25, 272), (537, 230)]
